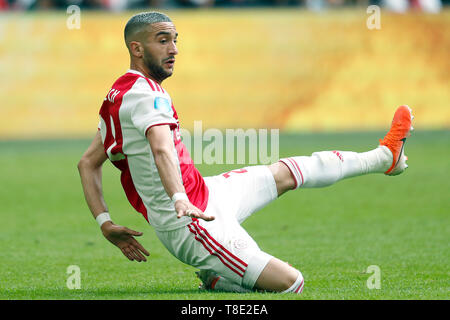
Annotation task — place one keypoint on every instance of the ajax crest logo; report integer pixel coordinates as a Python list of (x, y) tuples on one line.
[(162, 104)]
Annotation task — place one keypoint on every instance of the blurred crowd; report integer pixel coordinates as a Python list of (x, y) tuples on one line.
[(433, 6)]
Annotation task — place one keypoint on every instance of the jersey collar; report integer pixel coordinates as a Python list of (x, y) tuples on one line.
[(135, 72)]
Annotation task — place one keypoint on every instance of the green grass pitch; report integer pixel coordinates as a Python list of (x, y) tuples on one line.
[(400, 224)]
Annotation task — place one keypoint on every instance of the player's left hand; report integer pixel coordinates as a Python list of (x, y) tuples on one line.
[(123, 238)]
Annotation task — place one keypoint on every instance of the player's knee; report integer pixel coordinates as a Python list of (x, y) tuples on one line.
[(289, 279), (279, 276), (294, 283), (282, 176)]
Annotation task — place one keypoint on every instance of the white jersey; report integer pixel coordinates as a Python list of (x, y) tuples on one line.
[(134, 104)]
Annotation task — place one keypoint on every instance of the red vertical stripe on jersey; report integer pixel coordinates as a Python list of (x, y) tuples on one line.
[(175, 114), (157, 87), (154, 85), (150, 83), (110, 110), (131, 192)]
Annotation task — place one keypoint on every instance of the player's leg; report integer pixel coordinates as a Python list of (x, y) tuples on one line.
[(264, 273), (234, 196), (279, 276), (243, 191), (324, 168)]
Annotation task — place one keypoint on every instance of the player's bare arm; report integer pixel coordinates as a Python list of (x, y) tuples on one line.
[(161, 143), (90, 169)]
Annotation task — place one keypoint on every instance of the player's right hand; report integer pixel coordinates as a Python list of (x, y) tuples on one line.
[(185, 208), (123, 238)]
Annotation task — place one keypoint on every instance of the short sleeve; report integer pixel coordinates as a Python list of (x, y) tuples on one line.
[(151, 109)]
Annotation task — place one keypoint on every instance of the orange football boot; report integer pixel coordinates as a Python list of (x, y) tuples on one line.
[(395, 139)]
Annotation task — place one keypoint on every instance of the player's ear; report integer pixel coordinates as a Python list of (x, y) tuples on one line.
[(136, 49)]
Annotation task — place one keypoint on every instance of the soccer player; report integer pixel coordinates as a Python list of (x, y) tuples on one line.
[(198, 219)]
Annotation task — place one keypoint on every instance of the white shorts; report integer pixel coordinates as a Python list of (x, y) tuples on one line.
[(222, 245)]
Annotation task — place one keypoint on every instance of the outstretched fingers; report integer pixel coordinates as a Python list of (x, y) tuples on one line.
[(132, 249), (133, 254), (140, 248), (127, 253)]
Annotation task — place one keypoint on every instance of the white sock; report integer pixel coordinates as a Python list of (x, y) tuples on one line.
[(324, 168), (376, 161)]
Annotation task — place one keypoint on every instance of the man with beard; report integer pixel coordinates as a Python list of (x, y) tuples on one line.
[(199, 219)]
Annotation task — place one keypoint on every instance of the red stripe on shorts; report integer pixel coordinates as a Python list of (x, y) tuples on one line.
[(221, 247), (214, 251), (231, 256)]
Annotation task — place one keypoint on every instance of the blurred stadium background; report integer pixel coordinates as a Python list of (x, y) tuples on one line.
[(293, 65)]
